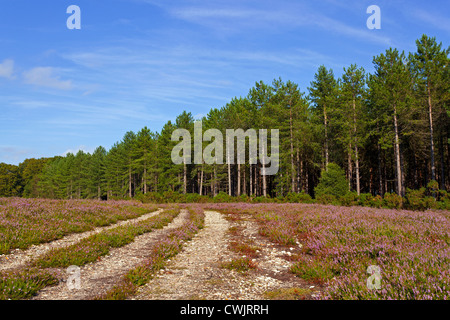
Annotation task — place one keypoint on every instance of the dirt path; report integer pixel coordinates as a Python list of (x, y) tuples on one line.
[(196, 272), (21, 257), (188, 273), (97, 278)]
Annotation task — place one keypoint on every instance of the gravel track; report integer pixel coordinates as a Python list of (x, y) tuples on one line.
[(196, 272), (99, 277)]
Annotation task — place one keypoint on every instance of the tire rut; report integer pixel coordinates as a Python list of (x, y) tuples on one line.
[(98, 277), (20, 258)]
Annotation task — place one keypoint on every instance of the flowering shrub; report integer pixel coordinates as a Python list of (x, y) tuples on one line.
[(23, 284), (411, 248)]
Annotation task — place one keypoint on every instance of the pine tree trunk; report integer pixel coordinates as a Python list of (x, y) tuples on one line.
[(325, 120), (380, 176), (244, 184), (184, 177), (129, 181), (358, 187), (200, 191), (301, 176), (239, 180), (397, 154), (264, 174), (145, 178), (430, 113), (251, 179), (292, 152), (215, 181), (229, 175), (298, 172), (255, 182), (350, 169)]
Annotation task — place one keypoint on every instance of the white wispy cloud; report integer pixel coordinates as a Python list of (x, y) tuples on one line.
[(283, 16), (7, 69), (46, 77)]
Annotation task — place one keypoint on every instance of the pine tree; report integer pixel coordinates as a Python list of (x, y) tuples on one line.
[(430, 64), (323, 94), (352, 97), (97, 173), (390, 88)]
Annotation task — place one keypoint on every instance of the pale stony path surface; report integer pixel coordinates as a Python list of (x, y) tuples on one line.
[(20, 257), (186, 276), (98, 277), (195, 273)]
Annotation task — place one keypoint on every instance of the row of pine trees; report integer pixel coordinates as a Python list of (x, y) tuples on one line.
[(389, 130)]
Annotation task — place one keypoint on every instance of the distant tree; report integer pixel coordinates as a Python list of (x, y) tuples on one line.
[(145, 155), (97, 175), (260, 95), (185, 121), (9, 180), (391, 87), (30, 170), (323, 94), (352, 95), (332, 182)]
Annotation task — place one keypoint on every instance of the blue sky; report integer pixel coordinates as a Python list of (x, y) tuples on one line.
[(137, 63)]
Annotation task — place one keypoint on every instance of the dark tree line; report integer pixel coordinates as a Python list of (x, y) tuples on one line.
[(389, 131)]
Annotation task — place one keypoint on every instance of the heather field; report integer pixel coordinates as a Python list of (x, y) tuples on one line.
[(410, 250), (348, 252), (24, 222)]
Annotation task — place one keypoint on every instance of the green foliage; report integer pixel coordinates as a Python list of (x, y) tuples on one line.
[(301, 197), (332, 182), (415, 199), (223, 197), (349, 199), (313, 270), (24, 284), (239, 264), (327, 199), (392, 201), (9, 180), (365, 199), (376, 202)]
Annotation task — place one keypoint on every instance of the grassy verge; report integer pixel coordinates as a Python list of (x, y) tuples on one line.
[(168, 247), (24, 284), (287, 294), (242, 264)]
